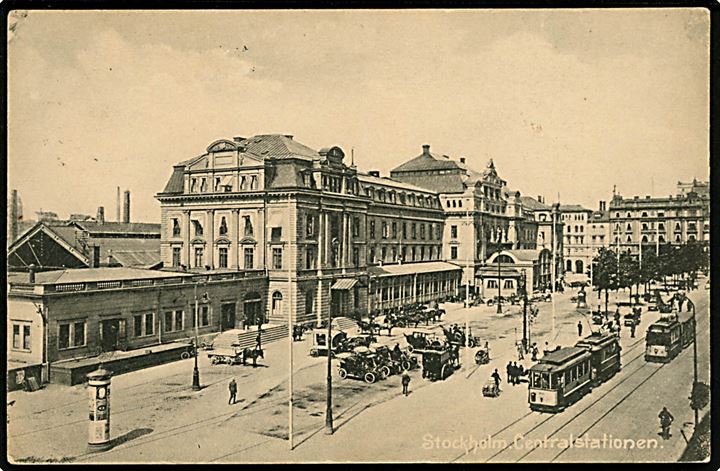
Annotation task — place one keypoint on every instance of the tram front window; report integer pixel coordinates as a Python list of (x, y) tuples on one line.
[(655, 338), (545, 381)]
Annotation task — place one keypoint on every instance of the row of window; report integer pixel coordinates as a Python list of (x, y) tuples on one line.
[(223, 184), (390, 231), (199, 257), (73, 334), (494, 284), (393, 197), (21, 337), (408, 254), (222, 228)]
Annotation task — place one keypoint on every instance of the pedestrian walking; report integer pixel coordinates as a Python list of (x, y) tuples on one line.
[(534, 352), (233, 391), (496, 377), (579, 328), (258, 341), (520, 349), (508, 369), (515, 374), (632, 330), (405, 382)]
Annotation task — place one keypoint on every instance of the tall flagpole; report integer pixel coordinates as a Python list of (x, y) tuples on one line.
[(290, 331)]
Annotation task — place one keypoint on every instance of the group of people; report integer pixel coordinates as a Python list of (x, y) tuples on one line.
[(514, 372)]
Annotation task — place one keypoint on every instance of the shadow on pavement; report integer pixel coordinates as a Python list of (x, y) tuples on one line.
[(132, 435)]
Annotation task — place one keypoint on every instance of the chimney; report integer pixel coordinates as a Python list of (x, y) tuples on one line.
[(238, 139), (13, 217), (462, 160), (100, 215), (117, 206), (602, 205), (426, 149), (374, 173), (126, 207), (540, 199), (31, 273)]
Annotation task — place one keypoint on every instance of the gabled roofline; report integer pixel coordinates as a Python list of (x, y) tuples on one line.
[(41, 227)]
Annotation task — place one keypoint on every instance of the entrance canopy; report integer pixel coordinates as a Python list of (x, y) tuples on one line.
[(344, 284)]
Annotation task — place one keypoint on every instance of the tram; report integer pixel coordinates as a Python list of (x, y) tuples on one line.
[(605, 350), (667, 337), (565, 375)]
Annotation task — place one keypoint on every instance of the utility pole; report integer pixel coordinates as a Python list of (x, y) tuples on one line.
[(290, 330), (499, 302), (467, 293), (695, 361), (328, 400), (525, 339)]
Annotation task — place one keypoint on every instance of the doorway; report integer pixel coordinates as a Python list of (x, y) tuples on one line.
[(227, 316), (252, 309), (336, 302), (110, 334)]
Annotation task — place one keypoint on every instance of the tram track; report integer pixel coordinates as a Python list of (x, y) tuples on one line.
[(535, 426)]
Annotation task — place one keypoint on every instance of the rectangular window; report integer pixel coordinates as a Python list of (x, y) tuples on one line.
[(492, 284), (356, 227), (175, 228), (277, 258), (453, 253), (422, 231), (223, 257), (64, 336), (310, 226), (438, 232), (384, 230), (71, 335), (138, 325), (453, 232), (394, 230), (203, 185), (149, 323), (276, 234), (413, 231), (404, 230), (372, 229), (16, 336), (248, 258), (204, 315), (169, 325), (430, 231), (198, 257), (26, 337), (356, 256), (173, 320), (309, 258), (79, 334), (384, 253), (179, 314), (508, 284), (176, 256)]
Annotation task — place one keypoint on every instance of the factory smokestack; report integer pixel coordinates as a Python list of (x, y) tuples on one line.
[(13, 217), (117, 206), (101, 215), (126, 207)]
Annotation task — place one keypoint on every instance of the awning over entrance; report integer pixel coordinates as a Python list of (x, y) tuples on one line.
[(344, 283), (412, 268)]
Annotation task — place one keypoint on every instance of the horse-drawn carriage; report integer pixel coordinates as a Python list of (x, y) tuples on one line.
[(482, 356), (633, 317), (456, 336), (439, 364), (320, 344), (235, 356)]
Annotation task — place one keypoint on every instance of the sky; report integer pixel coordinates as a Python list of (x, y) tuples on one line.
[(565, 102)]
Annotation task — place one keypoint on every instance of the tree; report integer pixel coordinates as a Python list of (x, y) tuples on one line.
[(605, 272), (629, 272)]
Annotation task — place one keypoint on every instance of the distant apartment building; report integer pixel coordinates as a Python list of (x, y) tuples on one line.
[(577, 253)]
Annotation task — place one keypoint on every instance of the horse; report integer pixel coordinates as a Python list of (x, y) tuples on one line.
[(253, 353)]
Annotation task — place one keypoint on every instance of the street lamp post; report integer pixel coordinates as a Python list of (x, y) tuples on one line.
[(499, 303), (525, 340), (328, 402), (695, 361), (196, 371)]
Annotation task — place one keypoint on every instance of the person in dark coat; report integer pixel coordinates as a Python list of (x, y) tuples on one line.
[(508, 369), (515, 374), (496, 377), (580, 328), (632, 330), (233, 391), (405, 383), (535, 352)]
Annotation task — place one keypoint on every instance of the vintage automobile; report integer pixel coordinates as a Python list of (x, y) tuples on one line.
[(234, 355), (437, 364), (482, 356), (348, 344), (397, 361), (320, 348), (425, 339), (490, 389), (365, 366)]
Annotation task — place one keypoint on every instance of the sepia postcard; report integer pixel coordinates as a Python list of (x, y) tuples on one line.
[(306, 236)]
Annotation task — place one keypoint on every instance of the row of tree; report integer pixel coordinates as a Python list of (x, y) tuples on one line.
[(677, 263)]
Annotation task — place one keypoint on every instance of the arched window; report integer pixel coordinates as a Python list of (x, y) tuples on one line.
[(629, 227), (644, 227), (644, 239), (628, 215), (460, 203), (578, 266), (691, 237), (644, 214), (677, 226), (448, 203), (454, 204), (568, 265), (661, 226), (223, 226), (677, 238), (277, 303), (629, 239), (662, 239)]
